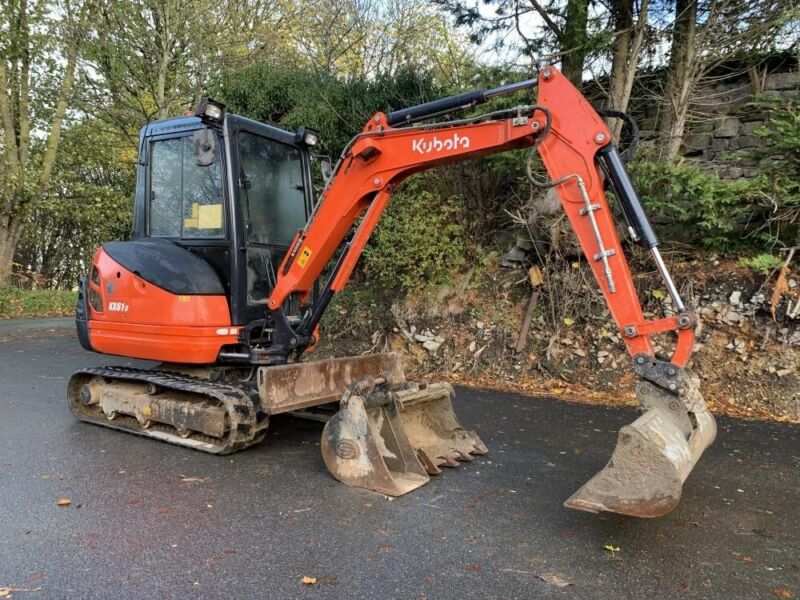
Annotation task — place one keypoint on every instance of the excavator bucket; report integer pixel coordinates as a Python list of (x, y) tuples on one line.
[(389, 434), (428, 418), (368, 448), (391, 440), (653, 456)]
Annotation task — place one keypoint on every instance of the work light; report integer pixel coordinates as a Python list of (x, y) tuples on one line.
[(308, 137), (210, 110)]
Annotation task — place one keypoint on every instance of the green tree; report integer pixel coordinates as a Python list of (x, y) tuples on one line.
[(549, 30), (39, 49), (88, 203)]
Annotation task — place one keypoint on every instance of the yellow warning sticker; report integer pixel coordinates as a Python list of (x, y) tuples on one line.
[(305, 254), (209, 216)]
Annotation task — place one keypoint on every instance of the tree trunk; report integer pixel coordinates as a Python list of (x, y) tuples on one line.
[(10, 230), (164, 29), (628, 44), (680, 79), (573, 42)]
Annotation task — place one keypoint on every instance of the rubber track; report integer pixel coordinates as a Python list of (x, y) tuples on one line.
[(241, 406)]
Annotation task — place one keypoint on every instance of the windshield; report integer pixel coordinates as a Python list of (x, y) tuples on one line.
[(185, 198), (272, 182)]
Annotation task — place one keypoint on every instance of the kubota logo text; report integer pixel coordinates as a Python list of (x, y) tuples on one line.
[(426, 146)]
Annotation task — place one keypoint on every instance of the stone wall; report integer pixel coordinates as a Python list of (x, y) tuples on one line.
[(723, 122)]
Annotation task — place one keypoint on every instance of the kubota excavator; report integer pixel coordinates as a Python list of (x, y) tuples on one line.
[(221, 285)]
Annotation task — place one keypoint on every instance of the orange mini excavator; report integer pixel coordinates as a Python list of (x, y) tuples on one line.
[(221, 285)]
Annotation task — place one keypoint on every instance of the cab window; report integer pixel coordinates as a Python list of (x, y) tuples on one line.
[(186, 200), (272, 181)]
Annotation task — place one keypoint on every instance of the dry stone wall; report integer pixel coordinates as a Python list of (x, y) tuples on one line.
[(723, 122)]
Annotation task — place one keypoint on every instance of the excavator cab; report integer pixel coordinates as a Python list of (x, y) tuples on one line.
[(219, 198)]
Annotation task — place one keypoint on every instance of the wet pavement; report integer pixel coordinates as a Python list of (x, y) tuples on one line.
[(151, 520)]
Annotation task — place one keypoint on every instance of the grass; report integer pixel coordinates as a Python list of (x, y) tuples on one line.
[(16, 303)]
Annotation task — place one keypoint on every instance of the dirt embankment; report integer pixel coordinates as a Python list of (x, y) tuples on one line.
[(748, 360)]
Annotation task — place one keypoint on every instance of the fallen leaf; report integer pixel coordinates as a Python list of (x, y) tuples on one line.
[(473, 568), (555, 580), (611, 548), (535, 276), (747, 559), (782, 592), (308, 580), (193, 480), (569, 322), (781, 287), (6, 591), (64, 502)]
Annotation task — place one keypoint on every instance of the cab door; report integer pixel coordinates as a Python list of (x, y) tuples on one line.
[(274, 203)]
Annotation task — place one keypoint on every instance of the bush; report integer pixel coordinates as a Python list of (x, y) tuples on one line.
[(778, 182), (18, 304), (692, 205), (762, 263), (418, 241)]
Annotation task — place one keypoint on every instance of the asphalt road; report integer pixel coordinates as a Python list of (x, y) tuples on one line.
[(149, 520)]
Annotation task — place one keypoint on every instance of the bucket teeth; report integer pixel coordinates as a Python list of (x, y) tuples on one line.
[(433, 429)]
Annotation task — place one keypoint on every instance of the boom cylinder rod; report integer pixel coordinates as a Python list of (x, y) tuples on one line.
[(636, 217), (510, 88)]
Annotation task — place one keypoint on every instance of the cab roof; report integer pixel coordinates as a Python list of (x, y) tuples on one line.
[(182, 124)]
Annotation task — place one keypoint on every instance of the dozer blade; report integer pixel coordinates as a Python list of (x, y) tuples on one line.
[(391, 440), (653, 456)]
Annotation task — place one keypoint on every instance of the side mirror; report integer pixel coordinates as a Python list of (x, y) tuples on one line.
[(204, 143)]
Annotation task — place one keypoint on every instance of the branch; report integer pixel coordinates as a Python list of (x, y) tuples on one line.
[(64, 94), (548, 19)]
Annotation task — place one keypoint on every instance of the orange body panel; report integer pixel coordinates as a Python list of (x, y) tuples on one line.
[(142, 320)]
